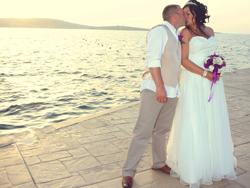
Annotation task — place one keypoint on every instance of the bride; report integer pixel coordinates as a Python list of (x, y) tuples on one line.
[(200, 148)]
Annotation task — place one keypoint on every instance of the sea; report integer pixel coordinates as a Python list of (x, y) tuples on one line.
[(52, 75)]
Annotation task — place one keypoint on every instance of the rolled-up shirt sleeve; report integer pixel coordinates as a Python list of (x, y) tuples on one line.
[(156, 42)]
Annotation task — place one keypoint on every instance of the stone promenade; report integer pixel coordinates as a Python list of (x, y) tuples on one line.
[(89, 151)]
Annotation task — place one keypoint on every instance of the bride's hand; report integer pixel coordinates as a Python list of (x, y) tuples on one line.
[(210, 76)]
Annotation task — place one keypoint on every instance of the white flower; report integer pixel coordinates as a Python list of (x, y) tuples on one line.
[(217, 60), (211, 67)]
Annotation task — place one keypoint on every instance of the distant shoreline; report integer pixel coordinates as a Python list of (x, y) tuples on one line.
[(56, 24)]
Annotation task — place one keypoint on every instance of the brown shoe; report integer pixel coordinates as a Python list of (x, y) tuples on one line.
[(166, 169), (127, 182)]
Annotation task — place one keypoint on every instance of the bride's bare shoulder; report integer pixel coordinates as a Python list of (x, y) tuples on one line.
[(209, 31), (186, 33)]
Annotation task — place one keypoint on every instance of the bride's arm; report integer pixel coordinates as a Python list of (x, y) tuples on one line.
[(189, 65)]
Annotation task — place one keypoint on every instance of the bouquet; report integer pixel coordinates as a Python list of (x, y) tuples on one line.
[(214, 64)]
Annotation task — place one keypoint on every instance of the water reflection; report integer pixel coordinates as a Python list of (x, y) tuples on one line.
[(50, 75)]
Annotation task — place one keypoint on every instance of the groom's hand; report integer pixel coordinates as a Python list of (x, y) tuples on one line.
[(161, 95)]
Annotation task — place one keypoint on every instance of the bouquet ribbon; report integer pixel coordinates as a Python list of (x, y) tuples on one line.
[(213, 81)]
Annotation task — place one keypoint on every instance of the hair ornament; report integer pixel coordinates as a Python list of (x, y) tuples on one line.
[(191, 3)]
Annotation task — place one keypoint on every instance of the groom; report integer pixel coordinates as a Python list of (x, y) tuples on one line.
[(159, 94)]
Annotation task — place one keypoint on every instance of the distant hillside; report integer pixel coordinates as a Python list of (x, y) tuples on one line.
[(52, 23)]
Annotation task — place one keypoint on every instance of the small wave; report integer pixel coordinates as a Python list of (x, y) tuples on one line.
[(97, 77), (121, 77), (16, 109), (85, 75), (59, 120), (63, 72), (66, 98), (109, 77), (136, 91), (7, 127), (33, 91), (12, 107), (109, 98), (80, 80), (99, 93), (52, 115), (44, 89), (84, 107), (133, 100), (13, 75), (77, 72)]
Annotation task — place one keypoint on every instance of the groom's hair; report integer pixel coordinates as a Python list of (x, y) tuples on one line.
[(168, 11)]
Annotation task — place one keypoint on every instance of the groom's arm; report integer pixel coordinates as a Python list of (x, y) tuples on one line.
[(161, 94), (156, 40)]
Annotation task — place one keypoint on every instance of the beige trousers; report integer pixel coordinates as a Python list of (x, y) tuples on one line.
[(155, 119)]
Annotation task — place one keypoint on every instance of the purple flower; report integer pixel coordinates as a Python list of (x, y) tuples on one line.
[(208, 63), (180, 38)]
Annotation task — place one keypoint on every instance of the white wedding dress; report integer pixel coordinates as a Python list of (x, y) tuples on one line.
[(200, 148)]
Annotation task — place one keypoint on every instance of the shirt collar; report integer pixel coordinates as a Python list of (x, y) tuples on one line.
[(171, 28)]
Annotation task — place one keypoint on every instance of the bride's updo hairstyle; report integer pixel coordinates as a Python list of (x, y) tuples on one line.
[(198, 10)]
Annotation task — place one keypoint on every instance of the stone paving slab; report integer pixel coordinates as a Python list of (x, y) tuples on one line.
[(89, 151)]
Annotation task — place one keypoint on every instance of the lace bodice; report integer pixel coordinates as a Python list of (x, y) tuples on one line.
[(200, 48)]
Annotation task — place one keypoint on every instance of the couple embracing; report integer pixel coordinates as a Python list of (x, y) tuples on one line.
[(200, 148)]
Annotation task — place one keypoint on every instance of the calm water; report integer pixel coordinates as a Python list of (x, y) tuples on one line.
[(50, 75)]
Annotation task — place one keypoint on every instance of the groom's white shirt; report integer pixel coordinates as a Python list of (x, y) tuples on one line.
[(157, 39)]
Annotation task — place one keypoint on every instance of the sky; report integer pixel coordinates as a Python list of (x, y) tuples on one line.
[(226, 16)]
